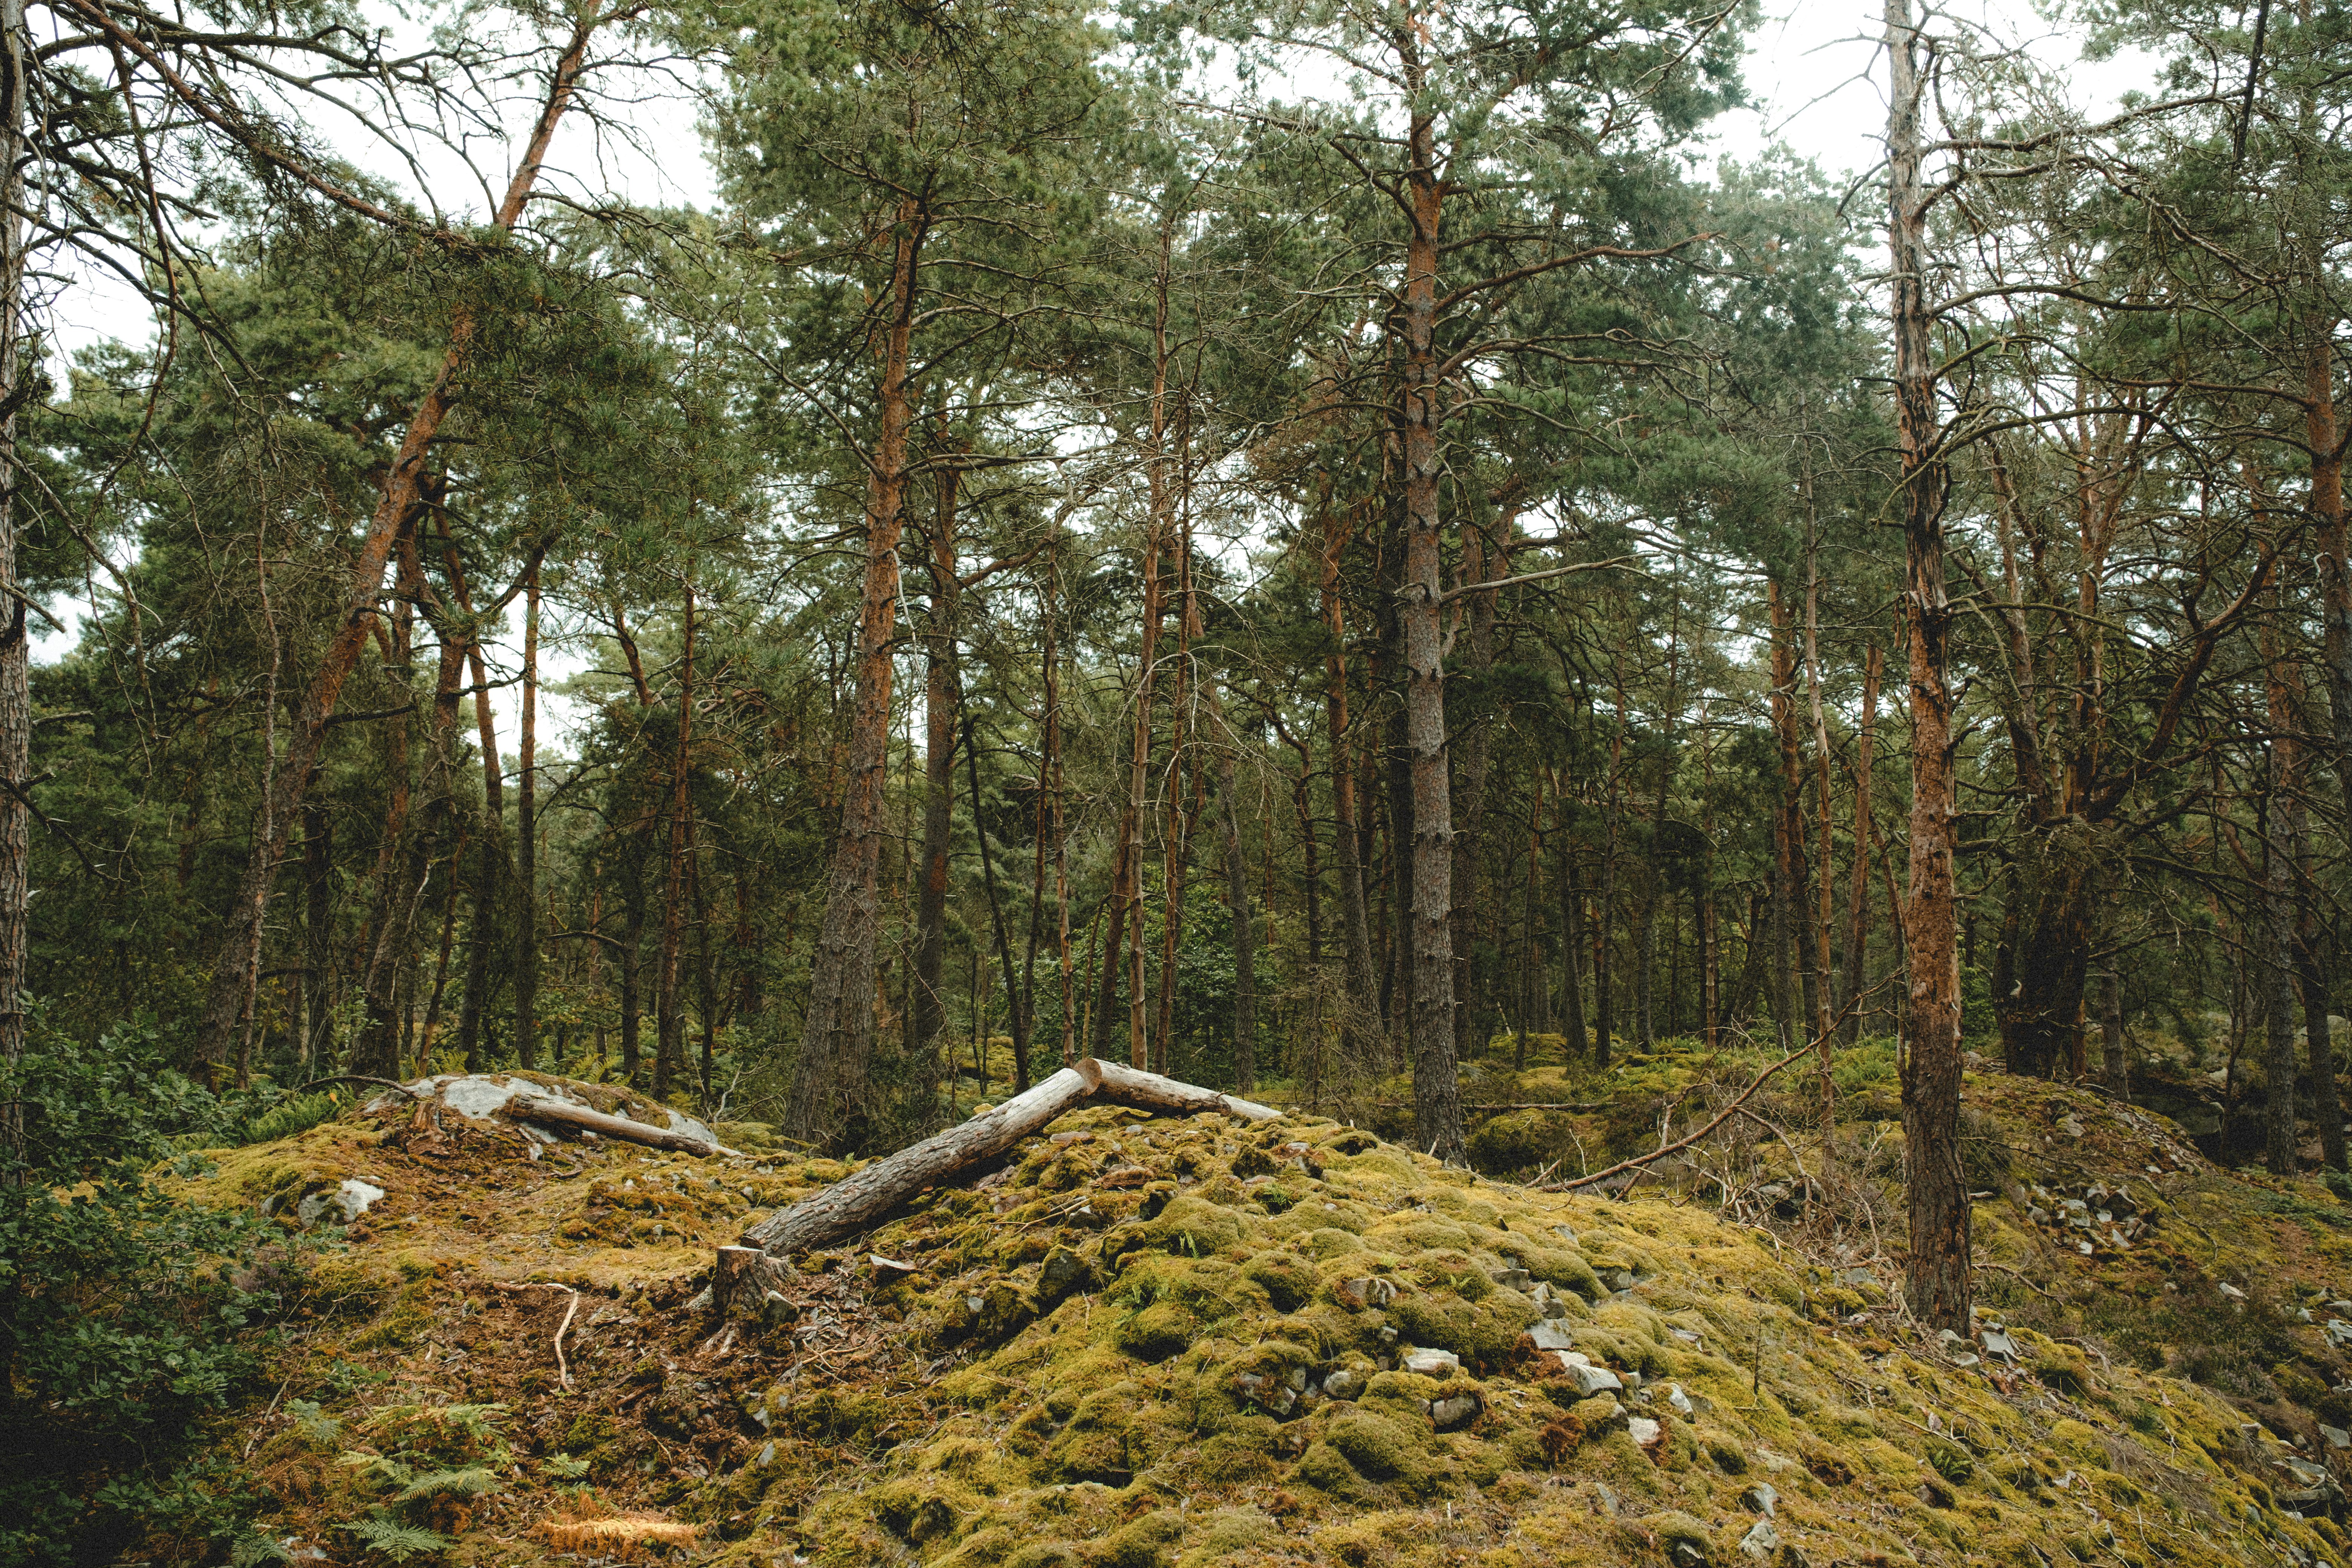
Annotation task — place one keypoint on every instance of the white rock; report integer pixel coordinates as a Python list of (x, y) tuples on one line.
[(1551, 1335), (1431, 1363), (1644, 1430), (1761, 1541)]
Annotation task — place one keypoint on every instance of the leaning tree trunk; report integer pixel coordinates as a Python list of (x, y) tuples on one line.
[(400, 874), (1937, 1281), (837, 1034), (239, 956)]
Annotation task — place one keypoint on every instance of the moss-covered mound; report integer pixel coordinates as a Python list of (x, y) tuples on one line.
[(1204, 1342)]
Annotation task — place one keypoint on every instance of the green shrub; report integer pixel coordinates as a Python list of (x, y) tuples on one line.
[(126, 1316)]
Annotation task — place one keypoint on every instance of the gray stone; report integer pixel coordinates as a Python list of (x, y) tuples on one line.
[(1761, 1541), (1679, 1401), (1459, 1410), (2335, 1436), (1344, 1383), (1551, 1335), (1367, 1292), (1996, 1343), (1064, 1271), (2230, 1290), (1592, 1380), (1432, 1362), (1513, 1279), (1760, 1499), (1644, 1430)]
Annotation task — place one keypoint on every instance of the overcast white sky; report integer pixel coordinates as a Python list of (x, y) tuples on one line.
[(1812, 69)]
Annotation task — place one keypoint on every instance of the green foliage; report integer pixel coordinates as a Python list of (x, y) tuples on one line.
[(388, 1538), (126, 1316)]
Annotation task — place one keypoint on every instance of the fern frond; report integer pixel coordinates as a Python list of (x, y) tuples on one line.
[(397, 1540), (472, 1481)]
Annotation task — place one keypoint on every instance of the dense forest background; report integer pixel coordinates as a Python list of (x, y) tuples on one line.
[(1319, 547), (1289, 544)]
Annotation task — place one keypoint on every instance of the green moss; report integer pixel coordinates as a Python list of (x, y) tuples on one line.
[(1194, 1229)]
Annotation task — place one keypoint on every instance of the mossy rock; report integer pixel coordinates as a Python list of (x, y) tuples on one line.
[(1142, 1544), (1380, 1448), (1194, 1229), (1483, 1331), (1286, 1280)]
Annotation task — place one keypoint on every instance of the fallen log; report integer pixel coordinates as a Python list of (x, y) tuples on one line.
[(1164, 1096), (557, 1113), (864, 1199)]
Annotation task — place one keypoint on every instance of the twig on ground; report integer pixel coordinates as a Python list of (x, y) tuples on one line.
[(563, 1369)]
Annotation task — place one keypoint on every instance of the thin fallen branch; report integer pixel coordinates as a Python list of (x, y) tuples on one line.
[(562, 1368), (1639, 1161)]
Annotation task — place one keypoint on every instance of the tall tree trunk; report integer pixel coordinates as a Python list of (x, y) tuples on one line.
[(1854, 968), (1470, 747), (1572, 924), (2113, 1064), (1437, 1093), (1360, 997), (400, 880), (829, 1077), (2277, 978), (1937, 1281), (15, 644), (239, 955), (1795, 912), (1020, 1026), (1053, 781), (1245, 950), (1824, 930), (526, 960), (485, 874), (633, 939), (317, 926), (669, 1045), (940, 729)]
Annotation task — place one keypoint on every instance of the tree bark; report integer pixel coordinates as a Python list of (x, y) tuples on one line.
[(1437, 1093), (1936, 1279), (866, 1197), (2115, 1065), (239, 955), (1854, 968), (2279, 1009), (486, 875), (941, 730), (829, 1077), (401, 876), (1361, 1000), (526, 934), (1470, 744), (1245, 950), (669, 1055)]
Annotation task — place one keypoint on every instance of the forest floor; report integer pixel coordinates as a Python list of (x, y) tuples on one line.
[(1143, 1342)]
